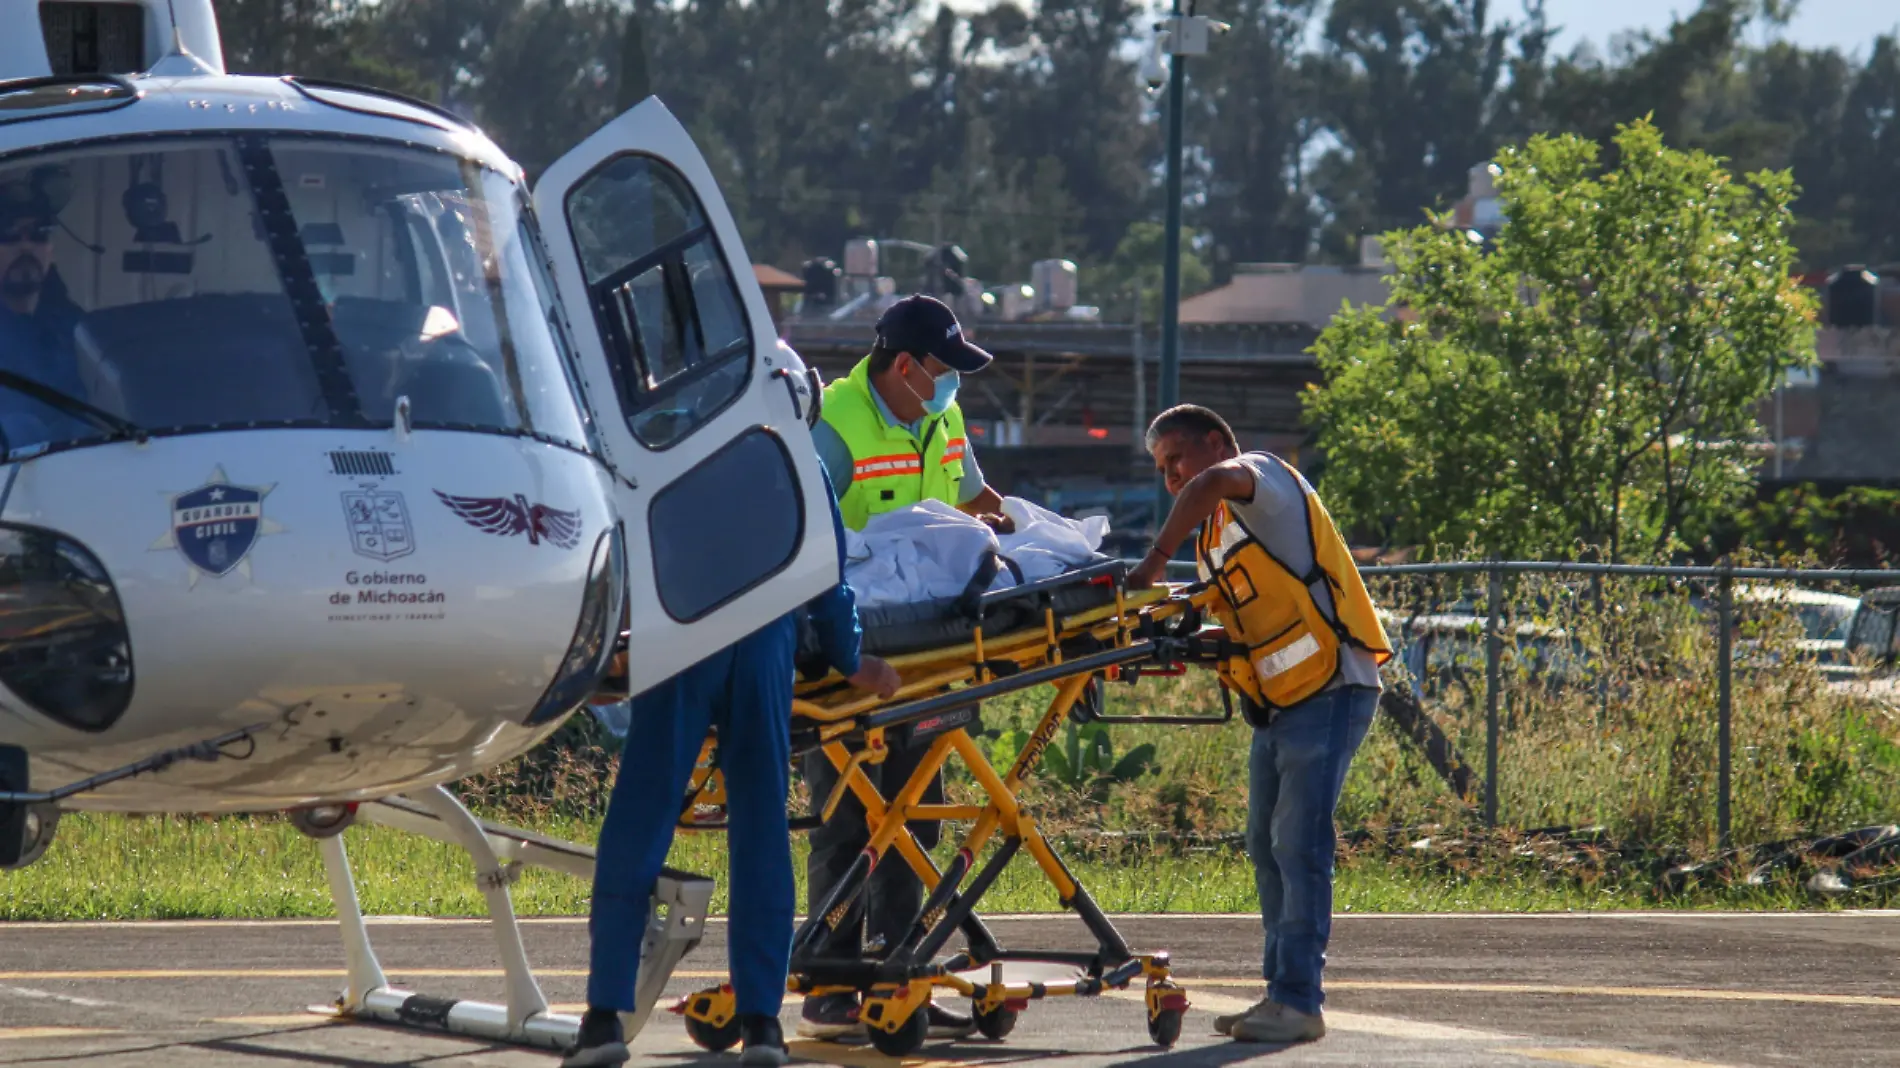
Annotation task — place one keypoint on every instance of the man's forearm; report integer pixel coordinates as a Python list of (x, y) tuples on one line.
[(1197, 501), (988, 502)]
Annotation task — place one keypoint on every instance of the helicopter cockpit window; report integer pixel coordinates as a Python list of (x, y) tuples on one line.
[(665, 303), (204, 283)]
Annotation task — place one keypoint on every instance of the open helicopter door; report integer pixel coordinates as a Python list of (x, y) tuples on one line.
[(717, 476)]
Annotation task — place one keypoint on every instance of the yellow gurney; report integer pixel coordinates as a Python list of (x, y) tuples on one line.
[(1065, 632)]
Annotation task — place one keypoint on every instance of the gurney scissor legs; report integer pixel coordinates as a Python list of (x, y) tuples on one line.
[(898, 985), (1084, 625)]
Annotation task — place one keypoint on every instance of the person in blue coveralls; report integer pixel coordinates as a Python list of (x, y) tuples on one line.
[(745, 691)]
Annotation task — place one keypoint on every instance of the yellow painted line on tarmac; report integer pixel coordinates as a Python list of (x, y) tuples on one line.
[(1665, 992), (1414, 1030), (1336, 1020), (52, 1032), (1608, 1058), (575, 1008), (1398, 1027), (820, 1052), (290, 1019)]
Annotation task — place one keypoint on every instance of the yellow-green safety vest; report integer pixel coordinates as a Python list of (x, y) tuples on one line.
[(890, 467)]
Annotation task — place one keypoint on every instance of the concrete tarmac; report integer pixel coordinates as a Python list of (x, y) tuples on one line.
[(1654, 990)]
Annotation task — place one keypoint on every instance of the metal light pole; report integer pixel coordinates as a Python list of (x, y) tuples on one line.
[(1171, 249), (1185, 34)]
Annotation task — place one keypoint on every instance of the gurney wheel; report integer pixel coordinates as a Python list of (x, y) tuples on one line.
[(997, 1024), (715, 1037), (1165, 1027), (907, 1039)]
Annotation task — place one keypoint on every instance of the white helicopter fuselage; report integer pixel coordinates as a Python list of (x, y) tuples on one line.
[(336, 464), (324, 435), (385, 654), (392, 605)]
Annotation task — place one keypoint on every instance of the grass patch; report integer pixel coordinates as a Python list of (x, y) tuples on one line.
[(116, 867)]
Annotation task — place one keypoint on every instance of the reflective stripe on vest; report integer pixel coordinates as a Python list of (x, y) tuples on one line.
[(1292, 647), (890, 468)]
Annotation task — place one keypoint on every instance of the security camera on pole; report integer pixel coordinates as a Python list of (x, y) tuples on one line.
[(1180, 36)]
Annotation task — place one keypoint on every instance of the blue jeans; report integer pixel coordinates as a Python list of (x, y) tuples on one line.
[(745, 691), (1295, 773)]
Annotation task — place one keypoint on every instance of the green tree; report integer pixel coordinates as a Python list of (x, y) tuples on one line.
[(1136, 267), (1591, 380)]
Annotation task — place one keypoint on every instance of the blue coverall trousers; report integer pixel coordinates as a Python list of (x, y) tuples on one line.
[(746, 692)]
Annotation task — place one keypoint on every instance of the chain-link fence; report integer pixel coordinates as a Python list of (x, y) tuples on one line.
[(1647, 696)]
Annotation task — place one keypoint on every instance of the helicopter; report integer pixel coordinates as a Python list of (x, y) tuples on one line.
[(338, 464)]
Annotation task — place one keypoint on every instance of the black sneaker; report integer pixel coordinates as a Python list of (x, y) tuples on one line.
[(600, 1041), (764, 1042), (830, 1016), (947, 1024)]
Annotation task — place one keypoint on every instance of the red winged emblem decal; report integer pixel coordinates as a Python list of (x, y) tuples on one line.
[(505, 518)]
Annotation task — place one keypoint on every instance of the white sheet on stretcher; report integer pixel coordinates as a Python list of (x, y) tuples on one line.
[(931, 550)]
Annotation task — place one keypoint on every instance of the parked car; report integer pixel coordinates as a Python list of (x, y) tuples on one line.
[(1870, 658), (1445, 649), (1825, 617)]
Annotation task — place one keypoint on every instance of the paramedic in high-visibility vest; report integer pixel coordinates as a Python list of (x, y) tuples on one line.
[(891, 435), (1309, 646), (890, 432)]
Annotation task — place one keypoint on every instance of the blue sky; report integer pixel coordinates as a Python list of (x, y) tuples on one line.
[(1850, 25)]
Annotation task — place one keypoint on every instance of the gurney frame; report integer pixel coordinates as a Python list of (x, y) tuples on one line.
[(1155, 632)]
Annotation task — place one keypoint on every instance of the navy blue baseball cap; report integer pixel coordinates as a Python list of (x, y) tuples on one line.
[(922, 325)]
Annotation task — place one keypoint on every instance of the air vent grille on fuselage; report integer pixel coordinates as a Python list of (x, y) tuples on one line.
[(93, 38), (362, 463)]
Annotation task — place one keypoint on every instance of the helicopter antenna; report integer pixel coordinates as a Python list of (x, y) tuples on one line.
[(190, 65)]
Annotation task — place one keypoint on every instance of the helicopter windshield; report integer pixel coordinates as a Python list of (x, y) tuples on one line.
[(214, 282)]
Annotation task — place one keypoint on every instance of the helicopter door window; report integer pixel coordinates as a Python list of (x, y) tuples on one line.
[(677, 335)]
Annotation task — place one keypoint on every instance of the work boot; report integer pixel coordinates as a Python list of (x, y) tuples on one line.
[(1280, 1024), (1224, 1025), (764, 1041), (831, 1016), (947, 1024), (600, 1041)]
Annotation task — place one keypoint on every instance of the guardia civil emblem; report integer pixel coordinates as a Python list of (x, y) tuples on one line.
[(215, 526)]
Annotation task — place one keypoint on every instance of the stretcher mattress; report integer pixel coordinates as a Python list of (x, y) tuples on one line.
[(915, 627)]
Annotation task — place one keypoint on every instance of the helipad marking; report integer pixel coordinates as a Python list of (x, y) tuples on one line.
[(1609, 1058), (52, 1032), (281, 1020), (49, 995), (1666, 992)]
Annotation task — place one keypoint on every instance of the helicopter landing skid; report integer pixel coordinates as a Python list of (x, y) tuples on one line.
[(676, 921)]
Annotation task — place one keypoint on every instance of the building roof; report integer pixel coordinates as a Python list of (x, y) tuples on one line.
[(1285, 293), (771, 277)]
